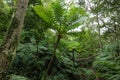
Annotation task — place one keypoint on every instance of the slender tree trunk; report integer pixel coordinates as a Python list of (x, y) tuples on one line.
[(10, 43), (53, 58), (98, 26)]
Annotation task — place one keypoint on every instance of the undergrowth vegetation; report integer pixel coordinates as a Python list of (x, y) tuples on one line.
[(66, 40)]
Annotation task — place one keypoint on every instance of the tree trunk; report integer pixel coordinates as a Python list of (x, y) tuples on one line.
[(9, 46)]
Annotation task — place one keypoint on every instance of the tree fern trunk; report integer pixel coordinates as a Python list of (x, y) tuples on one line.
[(9, 46)]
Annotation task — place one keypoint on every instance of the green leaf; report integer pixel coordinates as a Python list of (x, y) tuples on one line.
[(58, 10), (45, 13)]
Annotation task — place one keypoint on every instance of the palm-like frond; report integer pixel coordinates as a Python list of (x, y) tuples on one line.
[(58, 11), (61, 19), (45, 12), (74, 17)]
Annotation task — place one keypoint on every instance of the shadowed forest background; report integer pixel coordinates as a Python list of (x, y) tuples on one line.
[(59, 39)]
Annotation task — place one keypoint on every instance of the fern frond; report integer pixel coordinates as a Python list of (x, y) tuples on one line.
[(45, 13)]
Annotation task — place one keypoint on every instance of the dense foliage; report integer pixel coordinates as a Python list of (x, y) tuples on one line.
[(76, 40)]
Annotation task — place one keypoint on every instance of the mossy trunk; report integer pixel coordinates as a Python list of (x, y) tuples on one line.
[(10, 43)]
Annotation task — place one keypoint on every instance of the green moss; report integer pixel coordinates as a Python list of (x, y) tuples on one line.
[(15, 22)]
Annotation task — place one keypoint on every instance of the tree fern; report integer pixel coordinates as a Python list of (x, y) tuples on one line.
[(61, 19)]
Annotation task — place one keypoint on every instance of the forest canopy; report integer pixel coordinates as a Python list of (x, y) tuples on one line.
[(59, 39)]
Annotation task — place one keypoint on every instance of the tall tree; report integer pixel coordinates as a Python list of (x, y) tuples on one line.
[(9, 46)]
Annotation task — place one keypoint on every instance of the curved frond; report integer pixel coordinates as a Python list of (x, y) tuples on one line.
[(45, 13), (58, 10)]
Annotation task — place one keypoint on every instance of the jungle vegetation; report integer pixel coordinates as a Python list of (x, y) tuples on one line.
[(59, 39)]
